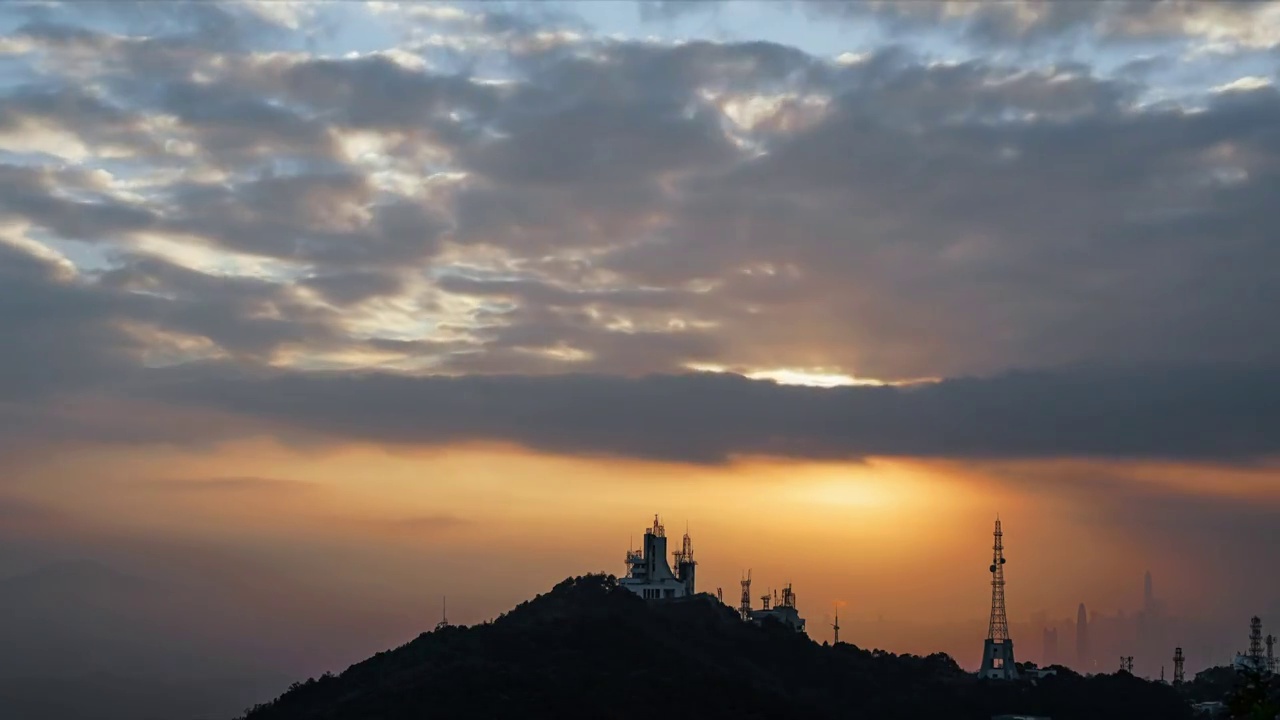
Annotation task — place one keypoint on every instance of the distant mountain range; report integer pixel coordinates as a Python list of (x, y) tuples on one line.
[(589, 649)]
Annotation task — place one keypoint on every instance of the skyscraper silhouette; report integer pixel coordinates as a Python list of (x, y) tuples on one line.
[(1049, 656), (1082, 640)]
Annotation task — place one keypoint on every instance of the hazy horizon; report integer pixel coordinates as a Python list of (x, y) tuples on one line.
[(318, 312)]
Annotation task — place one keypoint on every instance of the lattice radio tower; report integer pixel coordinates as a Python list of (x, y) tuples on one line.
[(1126, 664), (836, 626), (997, 652), (1271, 654), (745, 607), (1255, 642), (1179, 666), (998, 628)]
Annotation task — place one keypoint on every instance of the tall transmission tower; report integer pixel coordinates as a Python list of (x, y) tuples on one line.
[(745, 607), (1271, 654), (997, 654), (720, 594), (836, 626), (1126, 664), (1179, 666), (998, 627), (1255, 642)]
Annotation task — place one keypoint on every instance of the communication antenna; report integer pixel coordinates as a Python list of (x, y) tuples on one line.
[(998, 626), (1126, 664), (836, 626), (720, 594), (1271, 654), (764, 601), (1179, 665), (1255, 642), (684, 555), (444, 613), (745, 607)]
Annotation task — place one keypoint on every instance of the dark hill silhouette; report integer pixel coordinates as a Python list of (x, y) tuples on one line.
[(591, 649)]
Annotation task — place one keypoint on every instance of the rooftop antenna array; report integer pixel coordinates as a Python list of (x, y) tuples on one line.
[(685, 553), (1179, 666)]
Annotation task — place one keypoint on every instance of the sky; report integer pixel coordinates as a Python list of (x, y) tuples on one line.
[(319, 312)]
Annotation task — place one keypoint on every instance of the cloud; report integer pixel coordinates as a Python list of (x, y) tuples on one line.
[(1210, 413), (230, 485), (16, 512), (428, 524), (1239, 23), (602, 206)]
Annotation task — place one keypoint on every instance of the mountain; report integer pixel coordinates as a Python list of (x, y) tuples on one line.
[(591, 649)]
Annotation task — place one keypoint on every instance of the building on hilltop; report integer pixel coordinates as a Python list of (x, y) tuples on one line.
[(782, 609), (1254, 660), (648, 573)]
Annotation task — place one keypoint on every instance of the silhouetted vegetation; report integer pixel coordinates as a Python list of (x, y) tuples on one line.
[(591, 649), (1255, 696)]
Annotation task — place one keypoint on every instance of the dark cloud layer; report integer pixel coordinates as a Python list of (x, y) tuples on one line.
[(1211, 412)]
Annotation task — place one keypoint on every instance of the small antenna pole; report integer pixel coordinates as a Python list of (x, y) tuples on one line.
[(444, 613)]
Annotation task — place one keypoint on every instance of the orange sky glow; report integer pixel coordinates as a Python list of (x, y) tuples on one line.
[(900, 545)]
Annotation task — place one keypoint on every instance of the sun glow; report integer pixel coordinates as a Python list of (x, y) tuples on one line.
[(810, 377)]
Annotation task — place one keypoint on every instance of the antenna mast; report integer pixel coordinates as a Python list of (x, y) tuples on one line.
[(685, 553), (836, 626), (745, 607), (1271, 654), (1255, 642), (444, 613), (1179, 664), (1126, 664), (997, 651), (998, 627)]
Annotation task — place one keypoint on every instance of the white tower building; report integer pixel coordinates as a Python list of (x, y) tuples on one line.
[(649, 575)]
